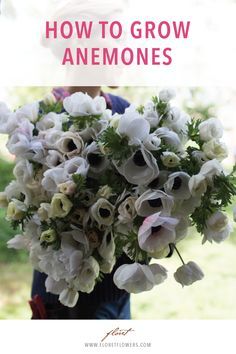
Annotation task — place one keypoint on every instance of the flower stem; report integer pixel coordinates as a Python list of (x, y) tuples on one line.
[(179, 254)]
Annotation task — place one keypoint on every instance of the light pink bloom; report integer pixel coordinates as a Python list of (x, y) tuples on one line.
[(157, 232)]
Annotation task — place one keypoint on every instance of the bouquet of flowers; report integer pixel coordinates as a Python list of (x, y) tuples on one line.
[(90, 186)]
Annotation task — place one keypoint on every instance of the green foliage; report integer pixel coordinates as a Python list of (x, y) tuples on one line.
[(224, 189), (140, 109), (161, 107), (189, 164), (56, 107), (80, 181), (114, 180), (193, 131), (217, 197), (82, 122), (117, 146), (131, 245)]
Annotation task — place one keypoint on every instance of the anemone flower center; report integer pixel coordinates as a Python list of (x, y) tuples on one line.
[(105, 213), (94, 159), (138, 159), (177, 183), (156, 229), (155, 203), (71, 145)]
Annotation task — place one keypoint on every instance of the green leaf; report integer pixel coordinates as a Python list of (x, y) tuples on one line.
[(56, 107), (140, 109), (80, 181), (160, 106), (217, 197), (117, 146), (193, 131), (82, 122), (130, 242)]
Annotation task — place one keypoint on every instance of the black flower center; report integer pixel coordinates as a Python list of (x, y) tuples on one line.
[(154, 183), (105, 213), (138, 159), (156, 229), (177, 183), (155, 203), (94, 159), (71, 145)]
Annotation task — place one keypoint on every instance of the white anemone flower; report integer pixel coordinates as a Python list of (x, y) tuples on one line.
[(53, 178), (16, 190), (55, 286), (134, 126), (168, 136), (23, 171), (80, 104), (69, 297), (89, 272), (182, 228), (107, 247), (50, 138), (49, 99), (177, 120), (103, 212), (188, 273), (19, 242), (54, 158), (76, 165), (127, 210), (29, 111), (51, 121), (152, 142), (18, 145), (97, 161), (107, 266), (75, 263), (150, 114), (136, 278), (211, 168), (170, 159), (150, 202), (140, 169), (218, 228), (70, 144), (177, 185), (215, 149), (200, 157), (74, 240), (197, 185), (157, 232), (210, 128)]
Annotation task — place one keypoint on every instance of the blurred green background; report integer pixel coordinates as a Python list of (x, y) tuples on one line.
[(211, 298)]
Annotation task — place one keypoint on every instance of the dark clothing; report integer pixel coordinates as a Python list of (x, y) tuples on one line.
[(106, 301)]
